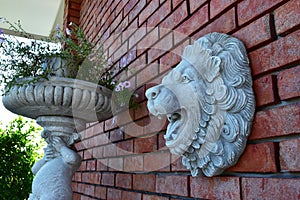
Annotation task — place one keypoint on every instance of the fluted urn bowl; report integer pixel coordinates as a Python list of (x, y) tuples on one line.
[(60, 96)]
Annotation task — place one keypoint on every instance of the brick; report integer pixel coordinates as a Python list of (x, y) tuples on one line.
[(114, 194), (120, 51), (154, 125), (144, 182), (110, 124), (137, 9), (161, 141), (138, 64), (147, 74), (163, 46), (137, 36), (194, 5), (98, 128), (172, 184), (95, 178), (257, 158), (250, 9), (116, 21), (286, 16), (79, 146), (145, 144), (217, 6), (141, 111), (82, 166), (133, 163), (75, 195), (173, 57), (276, 54), (280, 121), (86, 177), (77, 177), (87, 154), (89, 190), (133, 129), (159, 161), (102, 164), (223, 24), (197, 20), (168, 61), (131, 195), (88, 133), (270, 188), (115, 164), (124, 180), (101, 139), (125, 148), (130, 30), (80, 187), (289, 155), (139, 94), (151, 7), (264, 90), (160, 14), (176, 164), (255, 33), (89, 143), (289, 83), (116, 135), (75, 6), (128, 58), (108, 179), (97, 152), (215, 188), (175, 18), (124, 117), (91, 165), (110, 150), (129, 6), (175, 3), (122, 26), (100, 192), (121, 5), (153, 197)]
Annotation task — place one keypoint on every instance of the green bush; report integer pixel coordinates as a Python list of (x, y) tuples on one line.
[(18, 152)]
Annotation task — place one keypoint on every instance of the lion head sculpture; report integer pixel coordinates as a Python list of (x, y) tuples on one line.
[(209, 102)]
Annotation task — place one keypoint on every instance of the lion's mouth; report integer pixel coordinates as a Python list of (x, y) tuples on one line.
[(175, 120)]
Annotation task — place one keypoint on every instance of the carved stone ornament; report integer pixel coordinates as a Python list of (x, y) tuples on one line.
[(209, 102), (62, 106)]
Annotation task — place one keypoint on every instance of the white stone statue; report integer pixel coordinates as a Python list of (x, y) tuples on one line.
[(209, 102), (53, 173)]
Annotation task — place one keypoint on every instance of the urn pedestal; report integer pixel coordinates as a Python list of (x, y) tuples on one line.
[(62, 106)]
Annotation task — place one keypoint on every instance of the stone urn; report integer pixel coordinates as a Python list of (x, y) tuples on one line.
[(62, 106)]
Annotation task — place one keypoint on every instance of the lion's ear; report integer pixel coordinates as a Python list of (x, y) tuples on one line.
[(213, 68)]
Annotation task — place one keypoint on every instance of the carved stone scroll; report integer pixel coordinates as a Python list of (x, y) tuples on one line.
[(209, 102)]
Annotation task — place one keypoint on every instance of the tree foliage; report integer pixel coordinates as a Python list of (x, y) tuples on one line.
[(18, 152)]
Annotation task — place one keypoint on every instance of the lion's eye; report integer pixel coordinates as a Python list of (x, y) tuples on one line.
[(185, 79)]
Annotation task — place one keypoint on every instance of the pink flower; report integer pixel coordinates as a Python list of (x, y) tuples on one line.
[(57, 35), (118, 88), (126, 84), (68, 31), (57, 27)]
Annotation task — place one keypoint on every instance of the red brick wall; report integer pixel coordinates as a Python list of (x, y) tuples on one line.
[(125, 157)]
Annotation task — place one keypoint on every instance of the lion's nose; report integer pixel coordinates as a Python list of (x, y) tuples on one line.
[(153, 92)]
